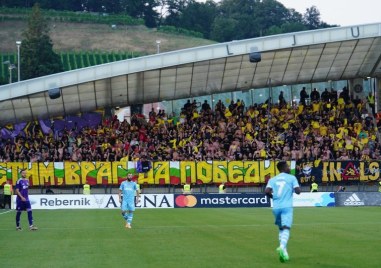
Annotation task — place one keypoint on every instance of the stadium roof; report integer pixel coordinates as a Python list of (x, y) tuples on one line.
[(338, 53)]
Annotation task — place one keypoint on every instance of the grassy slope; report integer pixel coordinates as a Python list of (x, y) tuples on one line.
[(99, 37), (321, 237)]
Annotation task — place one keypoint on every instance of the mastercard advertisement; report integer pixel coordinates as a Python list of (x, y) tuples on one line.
[(221, 200)]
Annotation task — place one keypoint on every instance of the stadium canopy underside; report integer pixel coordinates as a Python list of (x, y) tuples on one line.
[(340, 53)]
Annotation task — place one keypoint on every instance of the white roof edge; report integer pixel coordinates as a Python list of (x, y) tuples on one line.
[(209, 52)]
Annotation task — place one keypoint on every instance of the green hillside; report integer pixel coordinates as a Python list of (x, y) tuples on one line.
[(86, 44)]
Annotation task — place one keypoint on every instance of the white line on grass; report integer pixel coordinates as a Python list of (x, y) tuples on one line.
[(202, 226), (254, 225), (5, 212)]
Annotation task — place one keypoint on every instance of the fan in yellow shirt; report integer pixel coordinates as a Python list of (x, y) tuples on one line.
[(337, 145), (174, 143), (315, 107), (228, 113), (274, 110), (285, 126), (315, 124), (300, 109), (252, 113), (195, 114), (323, 130), (357, 127), (248, 137), (340, 104)]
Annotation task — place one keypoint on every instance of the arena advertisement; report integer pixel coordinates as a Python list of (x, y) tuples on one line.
[(221, 200), (323, 199), (96, 201)]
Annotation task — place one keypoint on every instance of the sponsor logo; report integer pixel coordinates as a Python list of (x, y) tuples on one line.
[(221, 200), (353, 200), (155, 201), (234, 200), (56, 202), (98, 200), (186, 201)]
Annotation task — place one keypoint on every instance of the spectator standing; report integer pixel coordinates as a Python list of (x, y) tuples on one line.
[(86, 188), (325, 96), (315, 95), (371, 103), (187, 189), (282, 100), (205, 107), (345, 94), (314, 187), (303, 96), (8, 191), (187, 106), (333, 96), (222, 188)]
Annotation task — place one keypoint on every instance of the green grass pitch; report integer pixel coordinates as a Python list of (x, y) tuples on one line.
[(245, 237)]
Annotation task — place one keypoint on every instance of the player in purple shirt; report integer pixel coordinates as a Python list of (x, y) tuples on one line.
[(22, 201)]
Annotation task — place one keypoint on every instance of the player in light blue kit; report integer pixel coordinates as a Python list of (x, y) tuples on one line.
[(281, 188), (128, 188)]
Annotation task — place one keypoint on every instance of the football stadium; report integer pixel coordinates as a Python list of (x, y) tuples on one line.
[(170, 159)]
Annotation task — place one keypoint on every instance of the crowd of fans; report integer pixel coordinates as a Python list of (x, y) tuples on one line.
[(327, 127)]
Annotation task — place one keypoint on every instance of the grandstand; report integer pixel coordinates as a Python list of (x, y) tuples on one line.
[(214, 104), (326, 55)]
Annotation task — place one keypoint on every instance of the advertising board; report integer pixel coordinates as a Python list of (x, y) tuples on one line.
[(221, 200), (102, 201)]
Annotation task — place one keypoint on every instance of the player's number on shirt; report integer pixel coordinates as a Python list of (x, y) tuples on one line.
[(280, 185)]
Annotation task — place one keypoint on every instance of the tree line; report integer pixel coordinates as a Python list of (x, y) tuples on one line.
[(221, 21)]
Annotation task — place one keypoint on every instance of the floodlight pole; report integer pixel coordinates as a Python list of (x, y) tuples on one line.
[(158, 46), (18, 43), (10, 68), (10, 74)]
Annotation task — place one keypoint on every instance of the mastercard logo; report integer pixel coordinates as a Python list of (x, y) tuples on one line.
[(186, 201)]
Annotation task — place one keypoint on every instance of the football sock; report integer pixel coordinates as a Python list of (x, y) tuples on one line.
[(129, 217), (18, 215), (284, 238), (30, 218)]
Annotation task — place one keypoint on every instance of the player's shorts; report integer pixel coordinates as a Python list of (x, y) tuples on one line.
[(128, 205), (20, 205), (283, 217)]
